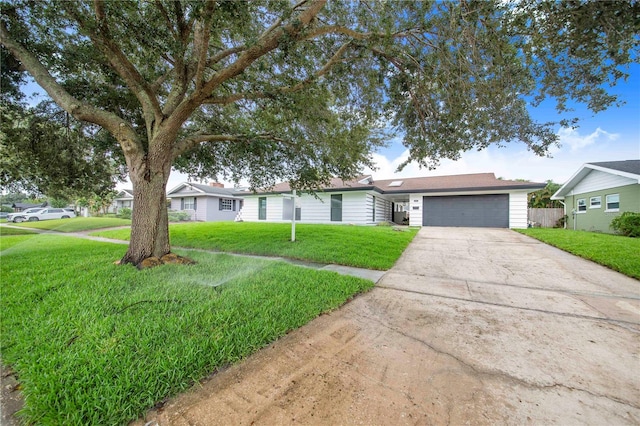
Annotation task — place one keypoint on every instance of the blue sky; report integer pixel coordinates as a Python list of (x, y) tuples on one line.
[(610, 135)]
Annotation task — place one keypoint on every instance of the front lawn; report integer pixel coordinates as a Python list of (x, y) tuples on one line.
[(372, 247), (614, 251), (76, 224), (5, 230), (96, 343)]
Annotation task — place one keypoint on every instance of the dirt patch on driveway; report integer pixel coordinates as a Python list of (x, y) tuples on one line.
[(471, 326)]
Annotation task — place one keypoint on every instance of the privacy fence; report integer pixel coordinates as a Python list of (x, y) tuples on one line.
[(545, 218)]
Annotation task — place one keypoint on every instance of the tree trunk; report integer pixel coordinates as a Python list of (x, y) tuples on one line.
[(149, 220)]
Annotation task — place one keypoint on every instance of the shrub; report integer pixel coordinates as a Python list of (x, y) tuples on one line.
[(179, 216), (124, 213), (628, 224), (6, 209), (561, 222)]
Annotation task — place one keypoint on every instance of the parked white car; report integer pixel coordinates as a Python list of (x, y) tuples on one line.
[(11, 216), (45, 214)]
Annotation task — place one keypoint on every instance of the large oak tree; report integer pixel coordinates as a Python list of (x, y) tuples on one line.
[(304, 90)]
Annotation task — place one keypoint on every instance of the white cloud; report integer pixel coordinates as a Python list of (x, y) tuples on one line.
[(572, 138), (515, 162)]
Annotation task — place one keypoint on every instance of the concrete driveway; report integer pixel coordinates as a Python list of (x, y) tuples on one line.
[(471, 326)]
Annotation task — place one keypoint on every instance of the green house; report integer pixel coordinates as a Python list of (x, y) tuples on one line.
[(598, 192)]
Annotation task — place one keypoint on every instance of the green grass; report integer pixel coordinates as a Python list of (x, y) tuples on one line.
[(619, 253), (76, 224), (96, 343), (4, 230), (372, 247)]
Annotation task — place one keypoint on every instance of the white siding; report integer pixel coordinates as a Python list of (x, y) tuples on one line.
[(597, 181), (318, 210), (383, 210), (517, 210), (250, 208), (353, 208), (314, 210), (175, 204), (415, 209), (274, 208)]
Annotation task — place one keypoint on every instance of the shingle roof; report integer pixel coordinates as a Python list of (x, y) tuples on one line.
[(628, 166), (467, 182), (207, 189)]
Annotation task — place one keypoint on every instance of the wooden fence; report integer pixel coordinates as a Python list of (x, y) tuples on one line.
[(544, 218)]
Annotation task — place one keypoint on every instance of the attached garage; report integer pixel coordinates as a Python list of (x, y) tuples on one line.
[(488, 211)]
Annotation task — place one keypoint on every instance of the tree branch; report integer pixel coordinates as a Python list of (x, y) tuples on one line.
[(123, 132), (356, 35), (336, 58), (120, 63), (263, 46), (201, 43), (191, 142)]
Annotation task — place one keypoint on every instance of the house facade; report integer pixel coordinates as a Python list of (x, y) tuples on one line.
[(123, 200), (474, 200), (598, 192), (206, 203)]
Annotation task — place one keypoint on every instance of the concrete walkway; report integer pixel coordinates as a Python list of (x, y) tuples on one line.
[(471, 326)]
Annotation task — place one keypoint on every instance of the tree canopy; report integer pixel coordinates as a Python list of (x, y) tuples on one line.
[(541, 198), (45, 151), (303, 91)]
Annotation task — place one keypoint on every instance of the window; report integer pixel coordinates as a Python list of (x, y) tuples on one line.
[(226, 204), (262, 208), (374, 209), (188, 203), (595, 202), (613, 202), (582, 205), (336, 208)]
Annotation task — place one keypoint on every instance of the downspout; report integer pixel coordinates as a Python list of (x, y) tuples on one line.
[(564, 207)]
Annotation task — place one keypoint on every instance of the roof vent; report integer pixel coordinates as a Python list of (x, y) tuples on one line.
[(396, 183)]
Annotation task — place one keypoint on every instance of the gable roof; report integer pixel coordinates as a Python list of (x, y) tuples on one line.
[(200, 189), (125, 194), (453, 183), (627, 168)]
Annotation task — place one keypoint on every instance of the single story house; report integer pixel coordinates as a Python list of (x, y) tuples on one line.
[(123, 200), (206, 203), (20, 207), (468, 200), (598, 192)]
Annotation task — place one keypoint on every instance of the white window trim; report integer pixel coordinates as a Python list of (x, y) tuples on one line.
[(191, 204), (226, 201), (607, 209), (599, 206), (578, 205)]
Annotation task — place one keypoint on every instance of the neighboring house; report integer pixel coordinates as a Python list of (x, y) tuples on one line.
[(598, 192), (461, 200), (123, 200), (206, 203), (19, 207)]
